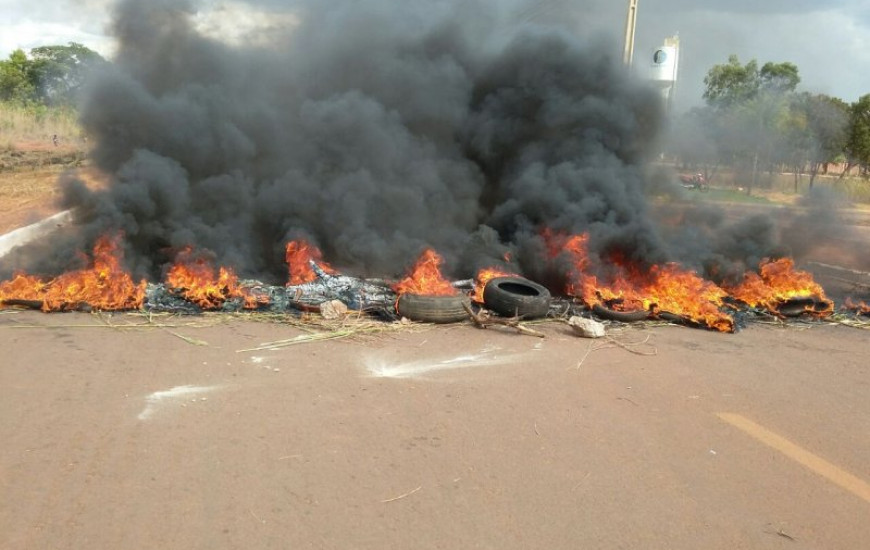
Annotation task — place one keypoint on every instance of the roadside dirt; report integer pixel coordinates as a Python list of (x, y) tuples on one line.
[(29, 175), (34, 155)]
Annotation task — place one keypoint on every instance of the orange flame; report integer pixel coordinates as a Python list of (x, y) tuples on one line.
[(425, 278), (194, 278), (22, 287), (778, 283), (861, 308), (483, 277), (105, 286), (299, 255), (664, 288)]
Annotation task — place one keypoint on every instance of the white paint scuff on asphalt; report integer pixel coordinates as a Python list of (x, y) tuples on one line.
[(487, 357), (152, 401)]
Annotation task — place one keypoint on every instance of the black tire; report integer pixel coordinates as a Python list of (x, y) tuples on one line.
[(672, 318), (433, 309), (679, 320), (516, 296), (799, 306), (32, 304), (621, 316)]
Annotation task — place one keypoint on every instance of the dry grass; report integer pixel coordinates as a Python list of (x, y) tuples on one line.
[(37, 125)]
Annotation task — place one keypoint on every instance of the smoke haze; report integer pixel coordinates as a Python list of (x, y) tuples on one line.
[(376, 130), (370, 128)]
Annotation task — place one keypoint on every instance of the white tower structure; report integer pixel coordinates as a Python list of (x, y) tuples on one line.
[(664, 68)]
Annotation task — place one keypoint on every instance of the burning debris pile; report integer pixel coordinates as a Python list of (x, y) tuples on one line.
[(364, 133), (193, 285)]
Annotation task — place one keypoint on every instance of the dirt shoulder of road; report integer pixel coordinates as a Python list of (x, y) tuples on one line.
[(29, 180)]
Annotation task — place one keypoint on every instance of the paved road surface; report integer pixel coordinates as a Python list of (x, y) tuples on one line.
[(443, 438)]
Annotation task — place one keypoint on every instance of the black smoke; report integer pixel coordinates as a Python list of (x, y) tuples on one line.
[(372, 128)]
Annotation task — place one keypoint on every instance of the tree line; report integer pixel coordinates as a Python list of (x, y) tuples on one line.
[(755, 120), (49, 76)]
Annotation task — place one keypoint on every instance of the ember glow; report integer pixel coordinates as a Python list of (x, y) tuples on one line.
[(667, 288), (195, 279), (22, 287), (483, 277), (425, 278), (299, 255), (663, 289), (778, 283), (861, 308), (105, 286)]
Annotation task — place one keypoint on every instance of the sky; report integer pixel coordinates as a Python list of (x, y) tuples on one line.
[(829, 41)]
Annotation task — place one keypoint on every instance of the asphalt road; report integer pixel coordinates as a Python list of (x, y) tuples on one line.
[(450, 437)]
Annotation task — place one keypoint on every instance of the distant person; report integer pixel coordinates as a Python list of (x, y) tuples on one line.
[(55, 140)]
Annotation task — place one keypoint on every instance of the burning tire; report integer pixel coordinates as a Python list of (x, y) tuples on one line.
[(516, 296), (621, 316), (433, 309), (800, 306)]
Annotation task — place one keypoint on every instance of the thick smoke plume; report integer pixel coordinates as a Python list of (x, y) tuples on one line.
[(373, 129)]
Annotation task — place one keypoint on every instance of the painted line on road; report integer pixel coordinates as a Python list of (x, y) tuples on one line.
[(817, 464)]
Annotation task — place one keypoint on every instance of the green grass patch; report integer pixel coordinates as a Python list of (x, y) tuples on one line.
[(728, 195)]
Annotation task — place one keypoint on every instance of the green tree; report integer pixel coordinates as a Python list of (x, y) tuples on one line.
[(752, 103), (858, 135), (17, 78), (778, 77), (731, 84), (822, 129), (60, 71)]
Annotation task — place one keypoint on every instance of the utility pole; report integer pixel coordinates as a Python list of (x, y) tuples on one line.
[(630, 23)]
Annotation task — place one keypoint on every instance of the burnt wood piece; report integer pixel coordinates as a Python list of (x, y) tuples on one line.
[(356, 294), (482, 319)]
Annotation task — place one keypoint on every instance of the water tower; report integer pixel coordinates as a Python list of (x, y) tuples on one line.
[(664, 67)]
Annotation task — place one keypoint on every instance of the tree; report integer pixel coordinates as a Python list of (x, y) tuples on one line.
[(825, 124), (778, 77), (731, 84), (52, 76), (61, 71), (17, 78), (753, 105), (858, 135)]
